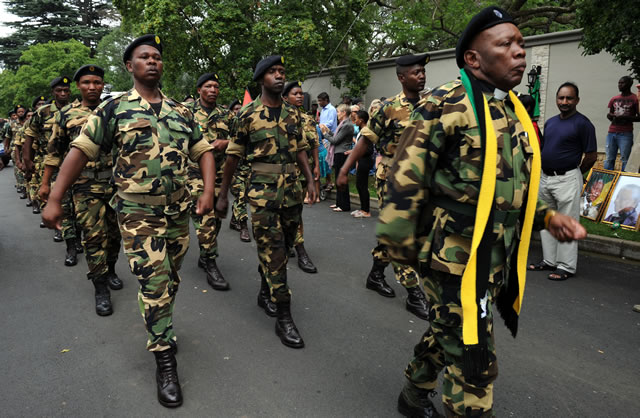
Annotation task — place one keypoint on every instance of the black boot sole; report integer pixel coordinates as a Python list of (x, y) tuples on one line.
[(418, 312), (104, 313), (288, 344), (170, 404), (410, 412), (70, 263)]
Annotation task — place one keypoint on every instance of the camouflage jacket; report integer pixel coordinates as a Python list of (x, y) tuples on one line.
[(40, 128), (14, 130), (386, 125), (310, 134), (440, 157), (215, 125), (67, 126), (150, 151), (263, 139)]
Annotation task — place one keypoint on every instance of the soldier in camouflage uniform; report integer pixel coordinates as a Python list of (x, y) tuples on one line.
[(151, 137), (215, 124), (239, 215), (36, 137), (10, 136), (268, 134), (464, 222), (293, 95), (384, 130), (92, 191)]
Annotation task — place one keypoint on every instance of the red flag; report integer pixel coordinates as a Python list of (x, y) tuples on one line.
[(247, 98)]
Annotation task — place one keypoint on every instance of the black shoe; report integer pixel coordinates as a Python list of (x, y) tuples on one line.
[(169, 391), (292, 253), (415, 403), (264, 297), (23, 195), (375, 281), (114, 282), (286, 328), (244, 232), (103, 296), (57, 236), (417, 303), (42, 225), (36, 208), (304, 262), (29, 203), (79, 247), (214, 275), (71, 258)]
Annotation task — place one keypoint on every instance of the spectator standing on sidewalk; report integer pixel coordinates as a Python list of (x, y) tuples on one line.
[(623, 111)]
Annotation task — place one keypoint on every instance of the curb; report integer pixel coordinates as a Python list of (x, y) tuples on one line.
[(613, 247)]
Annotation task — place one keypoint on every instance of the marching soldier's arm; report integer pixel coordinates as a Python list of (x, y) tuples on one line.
[(30, 134), (53, 158), (235, 151), (409, 182), (202, 152)]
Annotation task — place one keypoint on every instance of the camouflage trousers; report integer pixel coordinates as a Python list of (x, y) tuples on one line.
[(19, 174), (274, 231), (299, 239), (406, 275), (155, 240), (98, 223), (36, 179), (239, 192), (207, 226), (441, 347), (70, 228)]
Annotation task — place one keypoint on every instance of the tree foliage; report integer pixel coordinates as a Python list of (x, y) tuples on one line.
[(41, 21), (612, 29), (39, 64), (109, 56)]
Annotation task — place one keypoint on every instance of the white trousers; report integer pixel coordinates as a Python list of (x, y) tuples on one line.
[(562, 193)]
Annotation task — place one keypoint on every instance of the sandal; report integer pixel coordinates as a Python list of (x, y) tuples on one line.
[(541, 266), (337, 209), (560, 275), (333, 206)]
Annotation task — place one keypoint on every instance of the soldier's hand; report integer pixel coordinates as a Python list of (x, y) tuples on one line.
[(342, 182), (43, 192), (219, 145), (28, 167), (52, 215), (311, 193), (566, 229), (221, 206), (205, 203)]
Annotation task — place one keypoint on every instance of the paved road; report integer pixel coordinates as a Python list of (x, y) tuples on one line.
[(577, 354)]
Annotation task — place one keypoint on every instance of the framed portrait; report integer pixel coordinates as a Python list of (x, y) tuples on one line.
[(624, 204), (595, 193)]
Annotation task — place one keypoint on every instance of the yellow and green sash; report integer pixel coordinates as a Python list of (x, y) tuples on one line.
[(475, 278)]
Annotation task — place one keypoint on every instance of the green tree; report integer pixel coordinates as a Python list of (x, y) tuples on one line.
[(41, 21), (39, 64), (109, 56), (612, 29)]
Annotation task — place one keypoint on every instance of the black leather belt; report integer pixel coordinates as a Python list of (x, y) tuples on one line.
[(556, 172)]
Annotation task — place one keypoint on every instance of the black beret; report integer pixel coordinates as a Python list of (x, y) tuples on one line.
[(36, 100), (19, 107), (289, 86), (88, 69), (12, 112), (59, 81), (206, 77), (265, 64), (151, 40), (234, 102), (485, 19), (407, 60)]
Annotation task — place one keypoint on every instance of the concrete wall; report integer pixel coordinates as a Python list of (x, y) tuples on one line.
[(558, 53)]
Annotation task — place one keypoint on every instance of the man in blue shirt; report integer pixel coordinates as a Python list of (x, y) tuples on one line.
[(567, 138), (328, 114)]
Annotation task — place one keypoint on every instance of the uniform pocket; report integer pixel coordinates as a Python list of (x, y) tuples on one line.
[(469, 162), (136, 134), (180, 135), (263, 143)]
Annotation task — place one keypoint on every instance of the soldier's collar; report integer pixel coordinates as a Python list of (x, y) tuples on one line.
[(489, 88)]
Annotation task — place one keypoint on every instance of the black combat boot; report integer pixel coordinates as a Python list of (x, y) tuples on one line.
[(214, 275), (71, 258), (114, 282), (57, 236), (417, 303), (42, 225), (103, 296), (29, 202), (286, 328), (79, 247), (23, 194), (304, 262), (264, 297), (415, 403), (234, 224), (375, 281), (244, 232), (169, 392)]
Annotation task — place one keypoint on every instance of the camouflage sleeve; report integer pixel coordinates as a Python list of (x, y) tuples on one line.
[(32, 129), (311, 133), (374, 129), (302, 139), (97, 133), (55, 145), (197, 144), (409, 182), (240, 136)]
